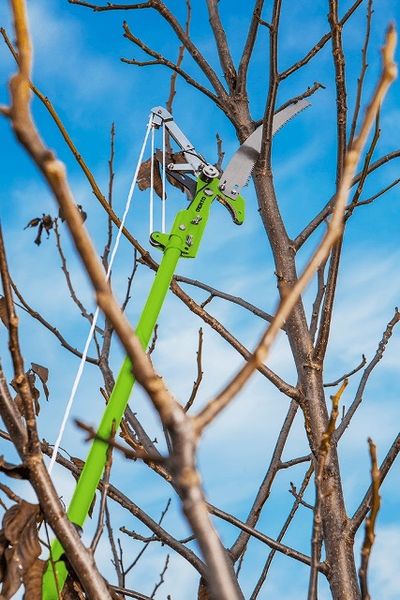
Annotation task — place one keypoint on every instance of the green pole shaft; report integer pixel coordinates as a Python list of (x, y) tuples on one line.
[(97, 457)]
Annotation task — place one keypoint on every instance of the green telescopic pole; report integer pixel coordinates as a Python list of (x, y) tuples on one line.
[(97, 457), (183, 241)]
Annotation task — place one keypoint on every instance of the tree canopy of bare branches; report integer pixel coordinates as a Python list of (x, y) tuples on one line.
[(197, 476)]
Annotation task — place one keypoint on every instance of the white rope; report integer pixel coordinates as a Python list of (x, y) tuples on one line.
[(96, 314), (151, 204), (163, 181)]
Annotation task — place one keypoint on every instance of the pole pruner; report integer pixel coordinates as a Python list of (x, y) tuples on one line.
[(182, 241)]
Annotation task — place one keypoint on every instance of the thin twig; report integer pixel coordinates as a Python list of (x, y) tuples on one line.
[(370, 522), (263, 493), (38, 317), (289, 519), (320, 44), (111, 176), (366, 503), (198, 380), (367, 372), (110, 441), (161, 580), (378, 194), (309, 229), (364, 65), (147, 541), (347, 375), (114, 552), (215, 293), (272, 543), (159, 59), (67, 275), (9, 493)]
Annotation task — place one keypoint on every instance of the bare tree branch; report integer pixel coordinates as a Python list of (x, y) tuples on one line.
[(159, 59), (264, 538), (214, 293), (347, 375), (366, 503), (249, 45), (364, 66), (224, 53), (181, 53), (38, 317), (367, 372), (319, 45), (293, 510), (198, 380), (370, 522)]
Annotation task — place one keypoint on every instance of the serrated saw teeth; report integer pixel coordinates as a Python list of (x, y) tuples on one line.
[(241, 165)]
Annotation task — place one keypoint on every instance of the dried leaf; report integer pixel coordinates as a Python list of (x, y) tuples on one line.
[(144, 177), (38, 238), (33, 222), (32, 580), (44, 223), (16, 518), (12, 578), (30, 375), (43, 374), (47, 223), (21, 534), (34, 391), (3, 546), (29, 548), (3, 312), (14, 471)]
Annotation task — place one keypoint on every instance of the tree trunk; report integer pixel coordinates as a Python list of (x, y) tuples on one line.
[(339, 551)]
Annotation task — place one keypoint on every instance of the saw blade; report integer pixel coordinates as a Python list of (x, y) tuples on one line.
[(239, 169)]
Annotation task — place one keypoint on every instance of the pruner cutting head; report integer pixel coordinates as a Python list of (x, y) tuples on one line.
[(239, 169)]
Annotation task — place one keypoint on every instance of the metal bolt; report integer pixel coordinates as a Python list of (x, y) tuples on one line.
[(208, 192), (170, 166), (210, 171), (182, 227)]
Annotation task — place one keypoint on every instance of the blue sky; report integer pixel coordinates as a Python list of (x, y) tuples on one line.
[(77, 65)]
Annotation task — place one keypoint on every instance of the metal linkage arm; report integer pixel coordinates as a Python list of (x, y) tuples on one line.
[(195, 161)]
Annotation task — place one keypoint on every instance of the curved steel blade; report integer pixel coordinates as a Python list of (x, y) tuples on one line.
[(242, 162)]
